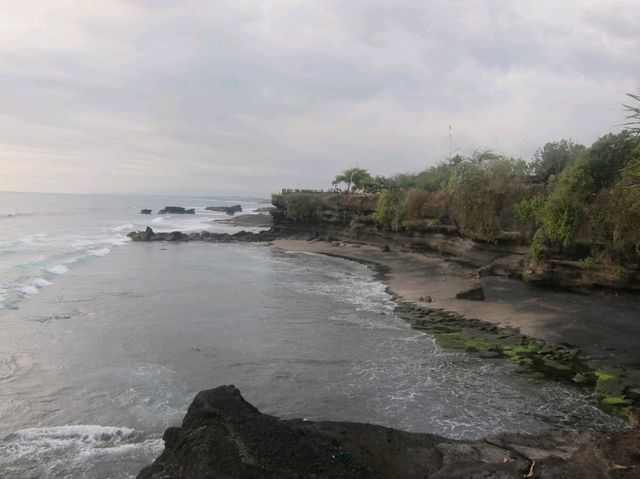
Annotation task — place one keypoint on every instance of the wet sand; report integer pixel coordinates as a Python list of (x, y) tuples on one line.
[(606, 328)]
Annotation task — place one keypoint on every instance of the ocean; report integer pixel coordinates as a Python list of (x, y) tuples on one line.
[(104, 342)]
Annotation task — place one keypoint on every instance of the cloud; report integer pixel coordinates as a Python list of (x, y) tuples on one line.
[(247, 97)]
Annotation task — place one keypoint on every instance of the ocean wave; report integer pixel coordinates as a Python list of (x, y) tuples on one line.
[(41, 282), (28, 290), (58, 269), (99, 252), (75, 450)]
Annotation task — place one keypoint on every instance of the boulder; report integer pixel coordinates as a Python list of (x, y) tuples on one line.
[(230, 210), (177, 210), (224, 436), (473, 294), (145, 211), (146, 235)]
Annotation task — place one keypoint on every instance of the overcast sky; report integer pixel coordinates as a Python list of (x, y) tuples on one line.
[(235, 97)]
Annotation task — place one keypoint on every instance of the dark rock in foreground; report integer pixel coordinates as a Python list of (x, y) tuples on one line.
[(223, 436), (473, 294), (230, 210), (145, 211), (241, 236), (177, 210)]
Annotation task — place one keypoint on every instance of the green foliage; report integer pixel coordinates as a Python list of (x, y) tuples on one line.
[(608, 156), (301, 206), (633, 110), (482, 194), (588, 261), (529, 209), (374, 185), (355, 177), (594, 194), (413, 202), (390, 209), (434, 178), (554, 157)]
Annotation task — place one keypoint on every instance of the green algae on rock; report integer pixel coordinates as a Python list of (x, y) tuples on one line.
[(535, 357)]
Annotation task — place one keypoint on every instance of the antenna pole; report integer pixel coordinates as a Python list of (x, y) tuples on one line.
[(450, 144)]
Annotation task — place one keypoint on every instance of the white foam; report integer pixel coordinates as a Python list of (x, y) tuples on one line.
[(124, 227), (58, 269), (75, 451), (41, 282), (99, 252), (159, 219), (28, 290), (87, 433)]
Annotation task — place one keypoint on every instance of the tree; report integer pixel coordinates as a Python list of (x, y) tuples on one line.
[(355, 177), (633, 170), (554, 157), (634, 113)]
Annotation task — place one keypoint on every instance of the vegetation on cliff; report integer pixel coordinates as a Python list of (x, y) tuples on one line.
[(570, 201)]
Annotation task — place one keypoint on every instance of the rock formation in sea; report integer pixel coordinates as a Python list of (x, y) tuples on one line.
[(177, 210), (230, 210), (145, 211), (223, 436), (241, 236)]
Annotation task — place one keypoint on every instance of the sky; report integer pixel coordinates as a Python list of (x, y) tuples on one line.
[(247, 97)]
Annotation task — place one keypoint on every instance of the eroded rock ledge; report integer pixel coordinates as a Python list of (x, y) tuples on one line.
[(223, 436)]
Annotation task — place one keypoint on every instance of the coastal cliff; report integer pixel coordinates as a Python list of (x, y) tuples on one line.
[(224, 436), (347, 217)]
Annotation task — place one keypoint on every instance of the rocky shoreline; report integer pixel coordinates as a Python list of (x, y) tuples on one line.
[(224, 436), (608, 370), (616, 380)]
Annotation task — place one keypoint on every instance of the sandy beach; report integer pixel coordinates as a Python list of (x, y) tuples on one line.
[(605, 328)]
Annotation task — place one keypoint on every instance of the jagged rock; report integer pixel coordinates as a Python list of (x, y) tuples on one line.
[(177, 236), (473, 294), (230, 210), (149, 235), (241, 236), (223, 436), (145, 211), (146, 235), (177, 210)]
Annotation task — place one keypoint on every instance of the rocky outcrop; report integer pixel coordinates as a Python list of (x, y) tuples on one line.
[(149, 235), (230, 210), (250, 221), (223, 436), (145, 211), (177, 210), (350, 218), (473, 294)]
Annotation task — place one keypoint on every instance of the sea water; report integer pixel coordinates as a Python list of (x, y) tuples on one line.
[(104, 342)]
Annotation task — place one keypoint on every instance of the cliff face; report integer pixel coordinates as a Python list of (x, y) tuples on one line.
[(223, 436), (350, 218)]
